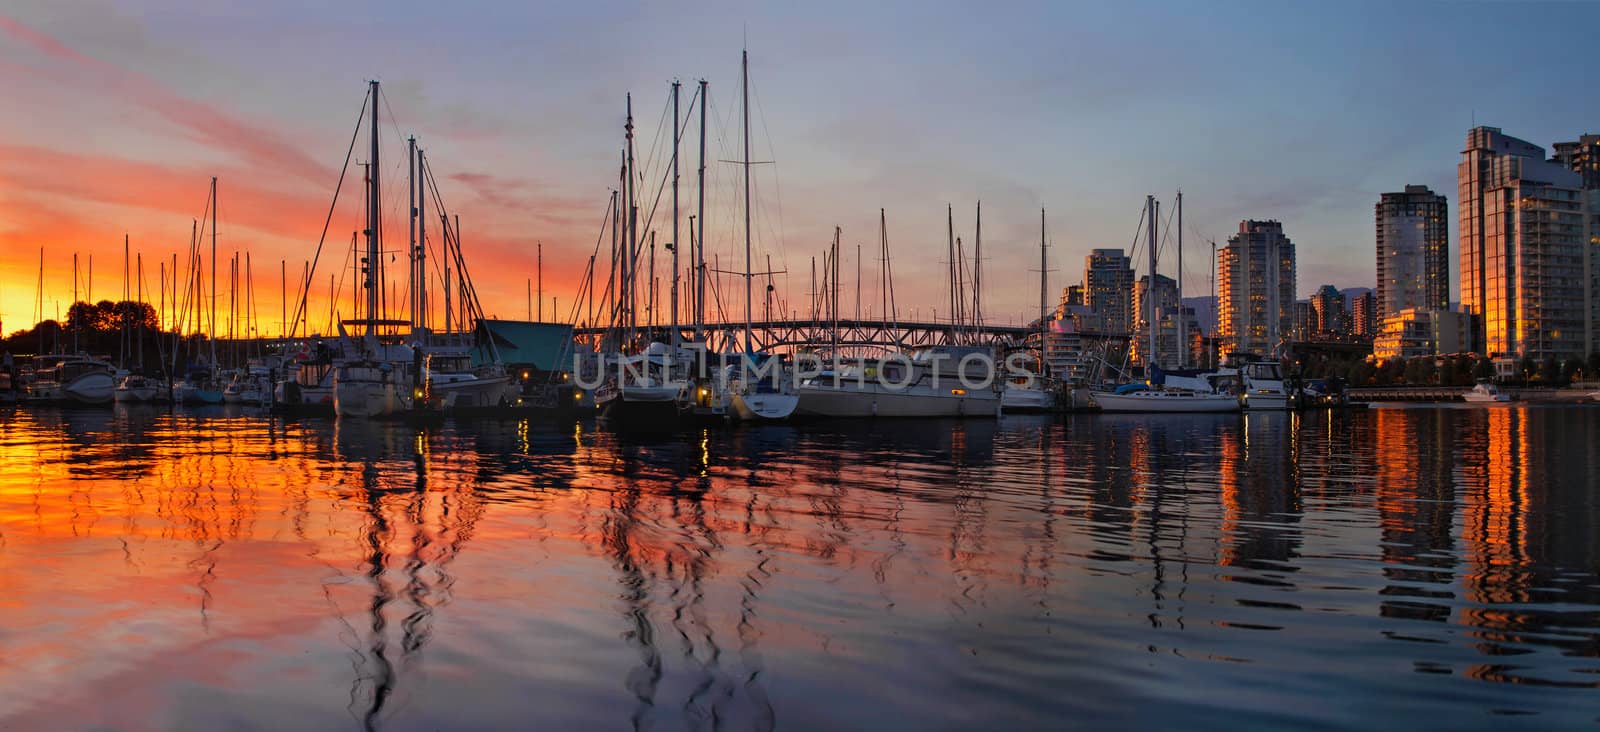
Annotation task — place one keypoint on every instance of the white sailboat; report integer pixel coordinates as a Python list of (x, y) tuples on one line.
[(74, 379), (1157, 396), (755, 398), (1035, 392), (135, 388), (378, 381), (924, 383)]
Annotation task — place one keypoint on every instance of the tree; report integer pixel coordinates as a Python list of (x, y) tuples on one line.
[(1550, 370), (1569, 370), (1483, 368)]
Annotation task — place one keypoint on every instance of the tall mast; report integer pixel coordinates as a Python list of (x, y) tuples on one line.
[(744, 75), (884, 264), (124, 340), (677, 143), (1183, 332), (632, 240), (539, 272), (371, 260), (213, 338), (1150, 289), (977, 272), (950, 247), (1044, 288), (411, 227), (422, 240), (139, 298), (700, 244)]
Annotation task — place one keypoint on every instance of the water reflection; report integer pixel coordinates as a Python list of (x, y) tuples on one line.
[(1416, 561)]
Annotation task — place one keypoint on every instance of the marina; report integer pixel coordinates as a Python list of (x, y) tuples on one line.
[(757, 367), (1120, 570)]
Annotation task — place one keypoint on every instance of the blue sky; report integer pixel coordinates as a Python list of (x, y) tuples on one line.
[(1302, 112)]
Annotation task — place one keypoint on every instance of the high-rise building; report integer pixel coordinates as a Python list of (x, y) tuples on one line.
[(1255, 288), (1169, 340), (1525, 254), (1583, 158), (1413, 251), (1331, 319), (1305, 321), (1363, 320), (1108, 291)]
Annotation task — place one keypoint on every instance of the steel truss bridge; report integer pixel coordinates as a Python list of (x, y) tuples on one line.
[(853, 335)]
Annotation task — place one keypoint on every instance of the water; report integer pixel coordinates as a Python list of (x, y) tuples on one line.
[(1425, 567)]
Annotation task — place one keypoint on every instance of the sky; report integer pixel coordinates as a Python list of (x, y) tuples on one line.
[(118, 114)]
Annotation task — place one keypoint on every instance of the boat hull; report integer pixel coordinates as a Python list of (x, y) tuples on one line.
[(1166, 404), (135, 394), (365, 399), (96, 388), (1026, 400), (888, 403), (1259, 401), (765, 407), (472, 392)]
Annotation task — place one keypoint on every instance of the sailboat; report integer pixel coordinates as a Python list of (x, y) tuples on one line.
[(1035, 391), (1155, 395), (202, 384), (378, 381), (756, 398)]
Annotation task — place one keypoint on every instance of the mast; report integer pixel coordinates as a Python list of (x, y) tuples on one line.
[(411, 226), (632, 240), (422, 240), (891, 310), (1183, 332), (950, 221), (1150, 289), (977, 273), (123, 342), (700, 245), (213, 338), (74, 302), (539, 271), (744, 76), (1044, 288), (677, 143), (139, 298), (371, 260)]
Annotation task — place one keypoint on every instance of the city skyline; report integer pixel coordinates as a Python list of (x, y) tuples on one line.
[(127, 114)]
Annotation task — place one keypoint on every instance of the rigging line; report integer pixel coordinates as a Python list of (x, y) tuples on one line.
[(605, 225), (311, 273), (772, 154), (667, 172), (465, 277), (1166, 233)]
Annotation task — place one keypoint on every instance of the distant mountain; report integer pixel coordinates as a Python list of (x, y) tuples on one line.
[(1205, 312)]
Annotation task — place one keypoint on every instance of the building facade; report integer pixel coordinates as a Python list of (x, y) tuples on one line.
[(1527, 258), (1413, 251), (1255, 289), (1169, 322), (1583, 157), (1330, 319), (1108, 291), (1363, 316), (1416, 332)]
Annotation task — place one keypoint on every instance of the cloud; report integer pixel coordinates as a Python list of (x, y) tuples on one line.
[(255, 145)]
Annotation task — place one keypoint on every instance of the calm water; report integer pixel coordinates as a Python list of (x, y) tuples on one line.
[(1431, 567)]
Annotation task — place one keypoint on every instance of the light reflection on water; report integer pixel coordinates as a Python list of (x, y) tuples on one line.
[(218, 570)]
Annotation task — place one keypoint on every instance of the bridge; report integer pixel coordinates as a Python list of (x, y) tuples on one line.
[(852, 334)]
